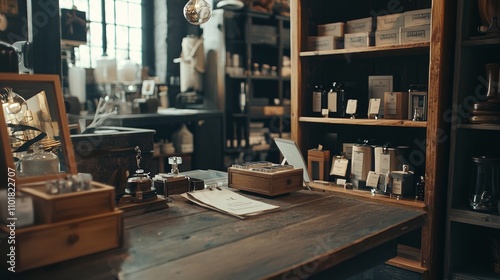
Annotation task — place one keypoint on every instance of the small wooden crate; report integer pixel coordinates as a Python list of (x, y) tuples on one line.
[(270, 184), (51, 243), (51, 208)]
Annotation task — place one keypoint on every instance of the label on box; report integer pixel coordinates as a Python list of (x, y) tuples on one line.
[(331, 29), (391, 21), (391, 103), (415, 34), (357, 40), (417, 17), (359, 25), (387, 37)]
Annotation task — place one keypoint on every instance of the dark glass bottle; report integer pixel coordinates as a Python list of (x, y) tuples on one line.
[(341, 100), (317, 100)]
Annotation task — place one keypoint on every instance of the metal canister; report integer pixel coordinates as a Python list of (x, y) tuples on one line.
[(402, 183)]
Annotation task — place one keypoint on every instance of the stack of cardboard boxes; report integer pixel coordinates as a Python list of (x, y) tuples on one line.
[(392, 29)]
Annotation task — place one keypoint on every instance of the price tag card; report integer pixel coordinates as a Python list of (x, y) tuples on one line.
[(374, 106), (339, 167), (352, 105), (372, 179)]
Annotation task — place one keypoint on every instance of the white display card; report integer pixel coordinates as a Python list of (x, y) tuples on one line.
[(374, 106), (339, 167), (372, 179), (352, 105)]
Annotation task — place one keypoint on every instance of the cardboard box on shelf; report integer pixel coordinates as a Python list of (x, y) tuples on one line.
[(359, 25), (417, 17), (387, 37), (358, 40), (323, 43), (331, 29), (390, 21)]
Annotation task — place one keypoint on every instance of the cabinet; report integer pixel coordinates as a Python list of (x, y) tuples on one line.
[(428, 63), (245, 54), (472, 237)]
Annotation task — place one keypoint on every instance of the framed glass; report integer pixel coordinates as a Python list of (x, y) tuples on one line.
[(34, 130)]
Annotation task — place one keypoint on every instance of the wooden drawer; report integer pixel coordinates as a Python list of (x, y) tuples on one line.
[(60, 207), (51, 243)]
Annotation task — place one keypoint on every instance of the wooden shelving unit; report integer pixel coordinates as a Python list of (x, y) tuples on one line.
[(428, 63), (257, 38), (471, 236)]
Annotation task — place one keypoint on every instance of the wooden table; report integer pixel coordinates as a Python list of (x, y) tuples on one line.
[(311, 232)]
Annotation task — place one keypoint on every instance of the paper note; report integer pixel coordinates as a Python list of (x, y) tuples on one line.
[(229, 202)]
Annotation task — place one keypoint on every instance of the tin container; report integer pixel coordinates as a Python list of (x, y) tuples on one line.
[(402, 183)]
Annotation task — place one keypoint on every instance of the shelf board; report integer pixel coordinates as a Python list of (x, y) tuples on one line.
[(367, 195), (406, 48), (372, 122), (481, 41), (464, 215), (408, 258), (270, 78), (480, 126), (475, 274)]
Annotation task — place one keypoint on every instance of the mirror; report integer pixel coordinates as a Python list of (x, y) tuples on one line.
[(34, 128)]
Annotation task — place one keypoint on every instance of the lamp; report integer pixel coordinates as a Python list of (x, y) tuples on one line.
[(197, 11)]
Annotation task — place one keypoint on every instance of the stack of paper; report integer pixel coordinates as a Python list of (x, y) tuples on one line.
[(229, 202)]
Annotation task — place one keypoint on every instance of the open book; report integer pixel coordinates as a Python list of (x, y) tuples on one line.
[(228, 202)]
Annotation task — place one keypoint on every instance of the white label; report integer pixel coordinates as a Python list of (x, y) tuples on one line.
[(397, 186), (391, 103), (372, 179), (316, 102), (332, 101), (357, 165), (339, 167), (385, 163), (352, 105)]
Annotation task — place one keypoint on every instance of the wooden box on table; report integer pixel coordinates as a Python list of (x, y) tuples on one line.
[(270, 184)]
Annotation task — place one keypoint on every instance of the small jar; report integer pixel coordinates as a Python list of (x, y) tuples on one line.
[(39, 162)]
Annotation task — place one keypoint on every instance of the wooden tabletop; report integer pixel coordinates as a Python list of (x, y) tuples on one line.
[(312, 231)]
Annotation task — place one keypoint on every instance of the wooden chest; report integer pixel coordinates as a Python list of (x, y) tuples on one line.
[(270, 184), (45, 244), (109, 155)]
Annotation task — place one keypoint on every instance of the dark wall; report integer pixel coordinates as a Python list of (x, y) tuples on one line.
[(178, 28)]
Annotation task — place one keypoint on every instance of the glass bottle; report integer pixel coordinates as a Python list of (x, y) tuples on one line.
[(317, 96)]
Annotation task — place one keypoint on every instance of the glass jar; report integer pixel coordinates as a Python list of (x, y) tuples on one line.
[(39, 162)]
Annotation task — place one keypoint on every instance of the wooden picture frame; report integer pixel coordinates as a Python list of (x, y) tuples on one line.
[(43, 121)]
